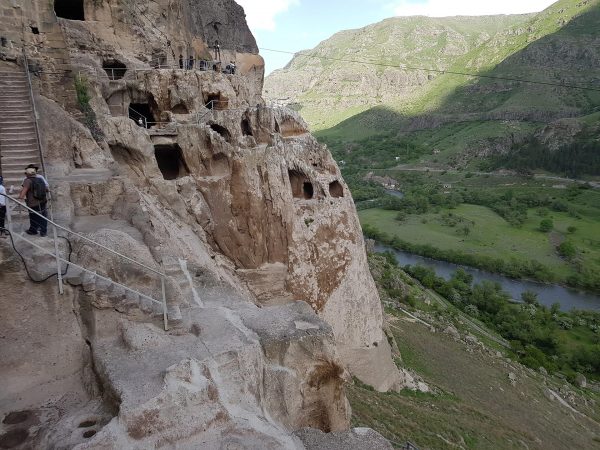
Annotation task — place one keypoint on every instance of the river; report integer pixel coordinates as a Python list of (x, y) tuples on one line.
[(547, 293)]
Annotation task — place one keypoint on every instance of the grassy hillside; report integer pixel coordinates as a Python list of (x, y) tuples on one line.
[(472, 403), (449, 119)]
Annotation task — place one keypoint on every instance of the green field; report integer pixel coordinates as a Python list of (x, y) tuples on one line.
[(492, 236)]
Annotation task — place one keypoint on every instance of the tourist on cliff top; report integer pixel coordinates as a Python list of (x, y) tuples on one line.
[(180, 61), (3, 232), (35, 193), (217, 48), (230, 68), (191, 63)]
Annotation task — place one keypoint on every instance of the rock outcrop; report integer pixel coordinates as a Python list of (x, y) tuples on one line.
[(271, 305)]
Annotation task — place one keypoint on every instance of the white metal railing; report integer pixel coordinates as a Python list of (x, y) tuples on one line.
[(42, 161), (59, 259)]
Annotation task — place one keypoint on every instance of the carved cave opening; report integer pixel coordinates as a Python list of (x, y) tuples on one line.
[(216, 101), (224, 132), (141, 113), (335, 189), (69, 9), (301, 185), (180, 108), (115, 69), (246, 128), (171, 161)]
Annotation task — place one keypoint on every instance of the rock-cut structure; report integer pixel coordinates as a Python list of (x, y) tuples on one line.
[(188, 172)]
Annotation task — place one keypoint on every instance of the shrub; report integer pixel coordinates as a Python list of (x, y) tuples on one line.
[(546, 225), (567, 250)]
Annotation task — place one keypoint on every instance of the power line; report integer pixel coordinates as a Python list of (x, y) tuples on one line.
[(451, 72)]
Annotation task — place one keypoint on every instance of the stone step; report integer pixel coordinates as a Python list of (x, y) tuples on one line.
[(30, 127), (74, 276), (174, 313), (19, 151), (23, 136), (26, 147), (21, 161)]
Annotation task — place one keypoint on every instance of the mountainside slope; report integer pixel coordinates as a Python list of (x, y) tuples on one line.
[(448, 119), (316, 85)]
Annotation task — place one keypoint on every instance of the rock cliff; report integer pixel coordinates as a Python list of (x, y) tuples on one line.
[(271, 306)]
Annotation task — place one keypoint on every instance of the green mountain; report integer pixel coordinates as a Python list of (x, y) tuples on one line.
[(440, 118)]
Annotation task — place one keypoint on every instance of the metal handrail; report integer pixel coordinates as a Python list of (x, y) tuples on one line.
[(58, 258), (42, 161), (84, 237), (91, 272)]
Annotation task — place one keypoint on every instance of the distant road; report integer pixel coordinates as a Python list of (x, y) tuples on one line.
[(594, 184)]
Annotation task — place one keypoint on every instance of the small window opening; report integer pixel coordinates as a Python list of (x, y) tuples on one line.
[(224, 132), (114, 69), (246, 128), (301, 185), (141, 114), (170, 161), (35, 30), (180, 108), (69, 9), (336, 190), (3, 41)]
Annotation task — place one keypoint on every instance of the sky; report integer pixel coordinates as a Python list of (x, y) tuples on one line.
[(294, 25)]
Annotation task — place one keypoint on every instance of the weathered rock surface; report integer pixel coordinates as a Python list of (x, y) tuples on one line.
[(270, 305)]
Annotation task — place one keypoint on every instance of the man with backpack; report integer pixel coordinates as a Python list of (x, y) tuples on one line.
[(3, 231), (35, 193)]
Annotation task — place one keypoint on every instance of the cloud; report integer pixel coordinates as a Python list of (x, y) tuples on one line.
[(260, 14), (444, 8)]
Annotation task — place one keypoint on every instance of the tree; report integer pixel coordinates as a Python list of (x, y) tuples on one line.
[(546, 225), (567, 250), (529, 297)]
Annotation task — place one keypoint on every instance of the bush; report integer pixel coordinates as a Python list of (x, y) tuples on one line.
[(572, 229), (546, 225), (567, 250)]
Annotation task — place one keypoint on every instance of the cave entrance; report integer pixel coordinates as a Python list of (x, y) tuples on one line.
[(246, 128), (141, 113), (224, 132), (180, 108), (171, 161), (69, 9), (301, 185), (114, 69), (216, 101), (335, 189)]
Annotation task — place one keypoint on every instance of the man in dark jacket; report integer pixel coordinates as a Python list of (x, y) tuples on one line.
[(34, 193), (3, 232)]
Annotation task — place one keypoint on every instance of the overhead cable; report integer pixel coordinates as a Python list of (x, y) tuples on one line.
[(451, 72)]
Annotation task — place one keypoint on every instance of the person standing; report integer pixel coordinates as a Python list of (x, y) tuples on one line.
[(34, 192), (37, 169), (180, 61), (191, 63), (3, 231), (217, 48)]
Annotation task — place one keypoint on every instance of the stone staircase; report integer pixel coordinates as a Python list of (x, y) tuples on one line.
[(18, 139)]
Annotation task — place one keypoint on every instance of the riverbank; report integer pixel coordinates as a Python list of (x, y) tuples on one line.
[(475, 236), (548, 294)]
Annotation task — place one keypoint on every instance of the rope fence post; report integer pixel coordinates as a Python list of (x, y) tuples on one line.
[(164, 300)]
